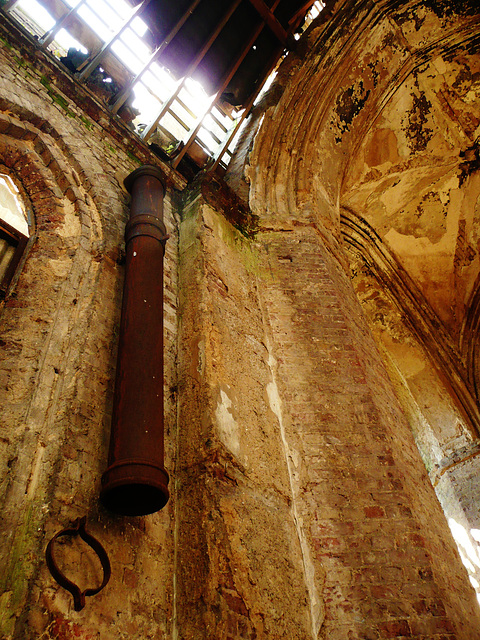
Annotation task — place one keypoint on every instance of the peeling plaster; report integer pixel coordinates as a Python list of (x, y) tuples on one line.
[(228, 428), (348, 105)]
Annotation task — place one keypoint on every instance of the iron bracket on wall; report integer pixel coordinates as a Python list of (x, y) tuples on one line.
[(78, 529)]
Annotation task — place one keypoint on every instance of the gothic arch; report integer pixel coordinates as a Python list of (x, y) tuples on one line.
[(56, 297), (415, 311)]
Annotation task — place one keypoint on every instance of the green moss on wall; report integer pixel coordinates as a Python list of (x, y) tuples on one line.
[(15, 576)]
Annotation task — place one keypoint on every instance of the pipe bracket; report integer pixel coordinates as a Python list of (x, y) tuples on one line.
[(78, 528)]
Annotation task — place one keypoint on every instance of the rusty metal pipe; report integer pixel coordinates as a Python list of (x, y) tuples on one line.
[(135, 482)]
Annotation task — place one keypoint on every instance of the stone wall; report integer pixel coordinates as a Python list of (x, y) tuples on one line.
[(304, 508), (237, 535), (372, 131), (58, 333)]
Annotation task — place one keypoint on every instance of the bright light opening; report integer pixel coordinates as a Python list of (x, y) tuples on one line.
[(38, 13), (469, 551), (12, 210), (139, 26), (66, 41), (104, 19)]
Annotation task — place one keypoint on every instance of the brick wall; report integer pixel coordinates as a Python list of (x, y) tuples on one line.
[(300, 507), (58, 332), (295, 457), (239, 566), (369, 513)]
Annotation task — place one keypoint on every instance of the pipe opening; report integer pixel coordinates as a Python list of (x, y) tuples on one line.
[(134, 499)]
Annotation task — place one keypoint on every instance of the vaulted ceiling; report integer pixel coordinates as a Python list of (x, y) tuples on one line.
[(378, 133)]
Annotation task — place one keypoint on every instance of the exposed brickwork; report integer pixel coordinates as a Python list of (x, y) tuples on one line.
[(300, 508), (377, 556), (354, 462), (236, 533), (58, 331)]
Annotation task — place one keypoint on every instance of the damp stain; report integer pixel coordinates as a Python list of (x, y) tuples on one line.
[(418, 135), (349, 105)]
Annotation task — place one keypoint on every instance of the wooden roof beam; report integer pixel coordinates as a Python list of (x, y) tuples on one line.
[(270, 20), (301, 12)]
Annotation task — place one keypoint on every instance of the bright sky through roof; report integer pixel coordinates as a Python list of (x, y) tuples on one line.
[(38, 13), (66, 40), (105, 18)]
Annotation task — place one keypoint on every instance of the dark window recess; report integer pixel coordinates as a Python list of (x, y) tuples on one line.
[(12, 247), (14, 232)]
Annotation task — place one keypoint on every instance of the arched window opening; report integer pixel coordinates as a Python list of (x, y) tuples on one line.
[(14, 232)]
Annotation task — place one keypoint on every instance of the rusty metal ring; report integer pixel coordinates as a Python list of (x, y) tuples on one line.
[(78, 528)]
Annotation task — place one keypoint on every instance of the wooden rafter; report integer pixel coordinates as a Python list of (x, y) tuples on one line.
[(223, 84), (301, 12), (270, 20)]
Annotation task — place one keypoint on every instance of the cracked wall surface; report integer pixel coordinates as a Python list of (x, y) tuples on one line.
[(377, 137), (58, 332)]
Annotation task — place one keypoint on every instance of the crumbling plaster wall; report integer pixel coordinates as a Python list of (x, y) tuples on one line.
[(58, 338), (237, 536), (299, 506), (379, 117), (378, 559), (303, 507), (413, 178)]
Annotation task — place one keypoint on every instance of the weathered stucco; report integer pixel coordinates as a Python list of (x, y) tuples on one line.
[(58, 344), (375, 133)]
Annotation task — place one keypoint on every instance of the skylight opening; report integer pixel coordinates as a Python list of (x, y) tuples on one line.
[(125, 56), (315, 10), (136, 46), (139, 26), (106, 14), (196, 93), (225, 158), (155, 86), (65, 40), (147, 104), (221, 127), (38, 13), (186, 116), (121, 7), (214, 127), (171, 124), (224, 119), (207, 140), (95, 23), (163, 76)]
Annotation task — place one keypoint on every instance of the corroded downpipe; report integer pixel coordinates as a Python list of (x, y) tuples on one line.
[(136, 482)]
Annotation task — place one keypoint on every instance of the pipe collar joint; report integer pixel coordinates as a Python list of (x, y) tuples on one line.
[(146, 225)]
